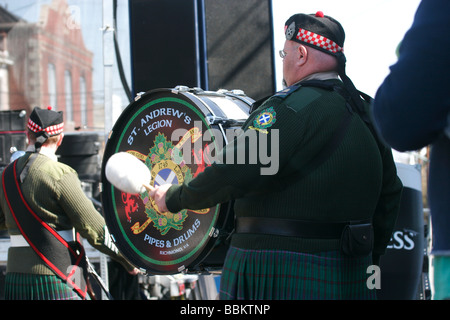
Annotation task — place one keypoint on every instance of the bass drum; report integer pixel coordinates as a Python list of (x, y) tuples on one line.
[(176, 133)]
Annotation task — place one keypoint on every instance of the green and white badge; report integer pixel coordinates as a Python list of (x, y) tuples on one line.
[(265, 119)]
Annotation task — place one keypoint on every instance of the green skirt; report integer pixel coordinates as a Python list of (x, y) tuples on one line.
[(275, 275), (22, 286)]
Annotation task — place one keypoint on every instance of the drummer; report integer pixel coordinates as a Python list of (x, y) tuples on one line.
[(53, 192), (287, 243)]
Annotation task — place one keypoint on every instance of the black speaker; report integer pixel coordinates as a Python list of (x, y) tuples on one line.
[(79, 144), (211, 44), (12, 133), (164, 44), (239, 37), (81, 152)]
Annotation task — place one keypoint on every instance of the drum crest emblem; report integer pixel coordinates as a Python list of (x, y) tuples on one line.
[(167, 166)]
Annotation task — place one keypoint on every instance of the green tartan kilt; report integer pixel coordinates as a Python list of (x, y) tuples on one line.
[(22, 286), (276, 275)]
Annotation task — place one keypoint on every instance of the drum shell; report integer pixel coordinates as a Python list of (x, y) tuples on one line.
[(401, 267), (134, 132)]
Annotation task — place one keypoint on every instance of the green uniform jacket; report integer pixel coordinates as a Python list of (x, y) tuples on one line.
[(356, 182), (54, 192)]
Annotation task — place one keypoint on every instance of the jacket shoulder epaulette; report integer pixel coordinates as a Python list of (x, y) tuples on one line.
[(309, 94), (283, 94), (305, 96), (280, 94)]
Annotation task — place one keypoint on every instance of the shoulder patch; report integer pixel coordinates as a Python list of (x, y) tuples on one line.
[(265, 119)]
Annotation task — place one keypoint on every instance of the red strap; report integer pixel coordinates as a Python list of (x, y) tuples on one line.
[(45, 241)]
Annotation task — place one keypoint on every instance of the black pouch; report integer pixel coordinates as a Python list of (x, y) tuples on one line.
[(357, 240)]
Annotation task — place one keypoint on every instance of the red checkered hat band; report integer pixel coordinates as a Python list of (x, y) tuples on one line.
[(318, 40), (51, 130)]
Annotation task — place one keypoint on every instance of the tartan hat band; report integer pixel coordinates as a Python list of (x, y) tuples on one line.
[(318, 40), (46, 122), (316, 30), (51, 130)]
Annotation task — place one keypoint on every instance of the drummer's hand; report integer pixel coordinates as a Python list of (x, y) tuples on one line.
[(134, 272), (159, 195)]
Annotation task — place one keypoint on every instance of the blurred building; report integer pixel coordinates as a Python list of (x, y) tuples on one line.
[(46, 63), (7, 21)]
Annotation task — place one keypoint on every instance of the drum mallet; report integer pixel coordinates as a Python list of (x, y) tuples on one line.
[(127, 173)]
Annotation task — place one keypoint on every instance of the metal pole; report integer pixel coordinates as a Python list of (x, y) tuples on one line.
[(108, 61)]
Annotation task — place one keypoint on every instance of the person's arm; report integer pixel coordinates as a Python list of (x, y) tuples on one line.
[(411, 107), (232, 179), (265, 148), (86, 219), (295, 135), (388, 206)]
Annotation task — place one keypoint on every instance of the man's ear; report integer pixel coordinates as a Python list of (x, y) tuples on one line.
[(60, 139), (303, 54)]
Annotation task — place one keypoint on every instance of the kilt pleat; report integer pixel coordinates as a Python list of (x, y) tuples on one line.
[(22, 286), (284, 275)]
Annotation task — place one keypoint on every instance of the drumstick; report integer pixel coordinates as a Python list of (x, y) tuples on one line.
[(127, 173)]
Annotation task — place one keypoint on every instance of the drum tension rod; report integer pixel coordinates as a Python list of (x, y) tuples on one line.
[(224, 121)]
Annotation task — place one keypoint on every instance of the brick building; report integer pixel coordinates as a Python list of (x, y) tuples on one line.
[(7, 21), (50, 64)]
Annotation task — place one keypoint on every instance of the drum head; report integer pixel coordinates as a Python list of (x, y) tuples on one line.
[(159, 129)]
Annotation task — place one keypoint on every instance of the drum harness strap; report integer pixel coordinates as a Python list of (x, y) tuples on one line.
[(65, 258), (312, 229)]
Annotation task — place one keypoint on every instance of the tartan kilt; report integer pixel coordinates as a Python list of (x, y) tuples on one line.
[(24, 286), (275, 275)]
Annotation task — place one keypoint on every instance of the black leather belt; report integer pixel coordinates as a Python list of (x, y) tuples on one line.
[(293, 228)]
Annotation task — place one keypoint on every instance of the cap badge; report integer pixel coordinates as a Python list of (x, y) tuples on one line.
[(290, 31)]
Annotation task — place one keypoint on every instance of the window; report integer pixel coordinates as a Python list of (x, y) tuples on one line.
[(83, 102), (51, 78), (68, 94)]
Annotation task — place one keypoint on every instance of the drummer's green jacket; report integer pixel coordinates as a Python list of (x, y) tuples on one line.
[(54, 192), (357, 181)]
